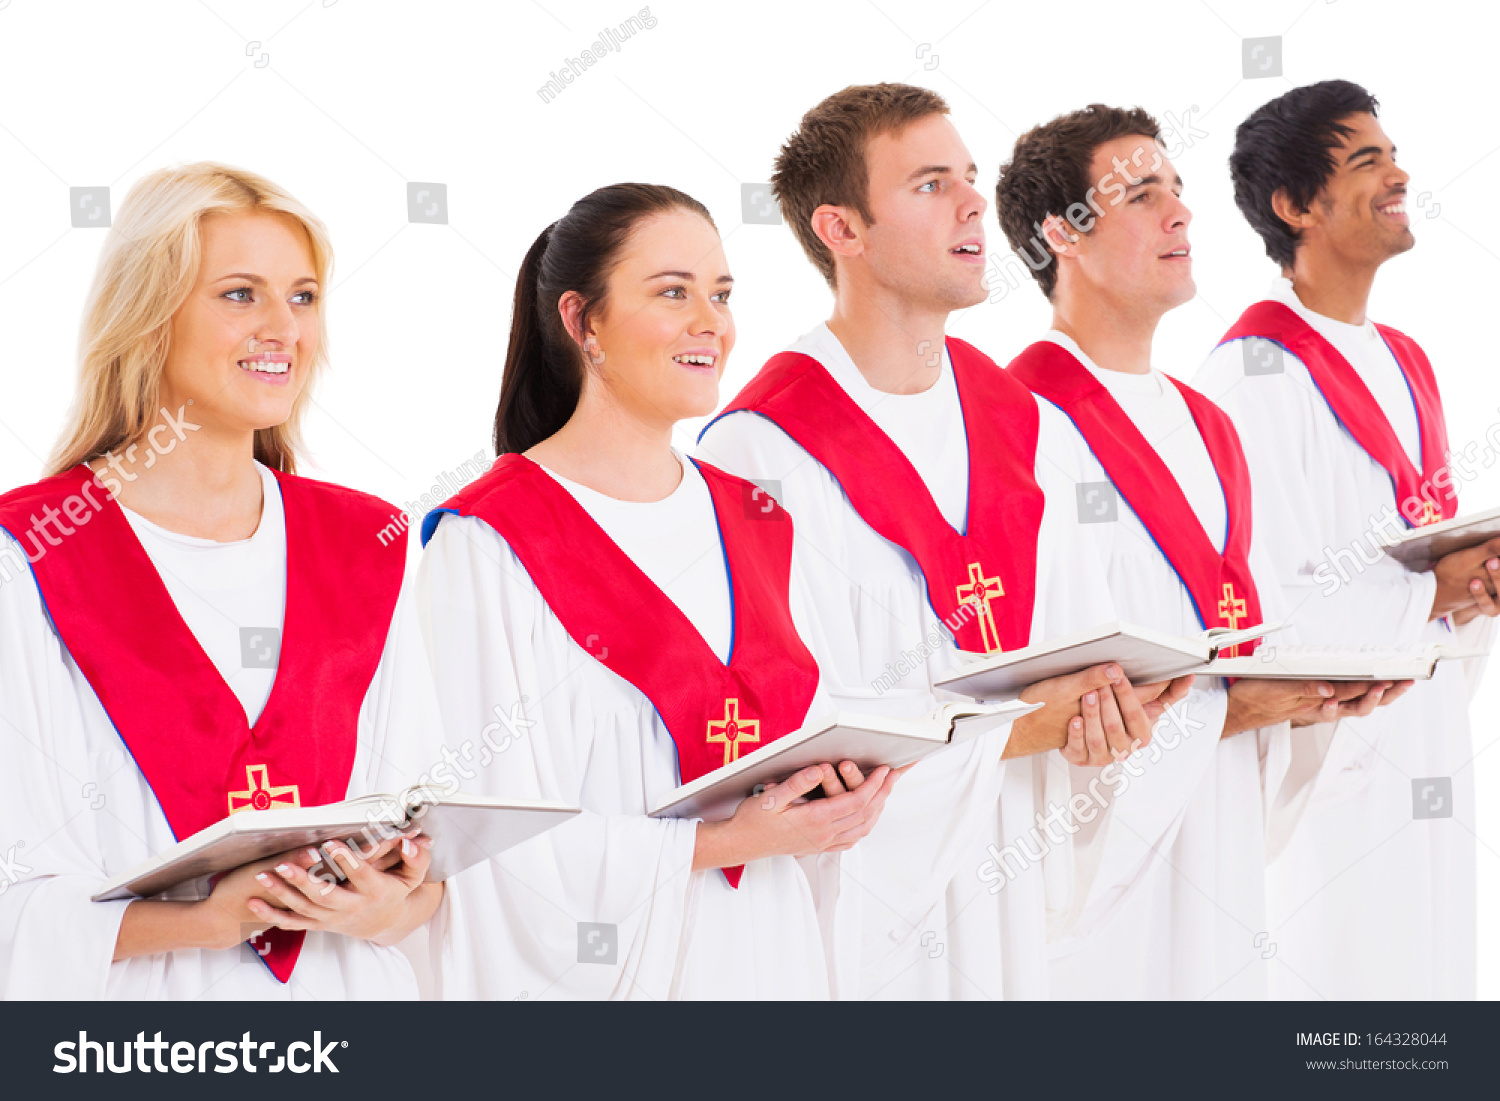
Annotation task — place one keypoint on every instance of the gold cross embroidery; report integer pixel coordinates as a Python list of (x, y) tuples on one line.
[(979, 591), (1232, 608), (1428, 514), (258, 795), (731, 730)]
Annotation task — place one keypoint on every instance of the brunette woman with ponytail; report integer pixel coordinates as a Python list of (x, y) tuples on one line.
[(609, 620)]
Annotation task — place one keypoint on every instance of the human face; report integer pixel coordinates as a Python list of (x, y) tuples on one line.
[(256, 280), (1136, 251), (927, 238), (665, 329), (1361, 211)]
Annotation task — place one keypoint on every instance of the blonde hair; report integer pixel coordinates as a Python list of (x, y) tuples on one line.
[(147, 268)]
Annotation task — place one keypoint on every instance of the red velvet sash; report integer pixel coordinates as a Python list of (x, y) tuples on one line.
[(714, 711), (1424, 496), (1220, 585), (182, 724), (982, 583)]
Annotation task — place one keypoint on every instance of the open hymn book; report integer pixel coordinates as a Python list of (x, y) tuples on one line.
[(1145, 656), (1341, 663), (465, 829), (1420, 548), (868, 740)]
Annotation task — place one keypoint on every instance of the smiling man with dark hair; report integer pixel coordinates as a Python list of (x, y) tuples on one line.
[(1344, 432)]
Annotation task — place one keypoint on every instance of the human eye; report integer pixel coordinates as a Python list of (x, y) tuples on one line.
[(237, 290)]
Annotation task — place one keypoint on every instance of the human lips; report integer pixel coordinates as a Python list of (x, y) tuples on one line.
[(273, 368), (1395, 209), (970, 250), (697, 359)]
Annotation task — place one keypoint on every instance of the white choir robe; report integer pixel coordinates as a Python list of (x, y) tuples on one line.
[(511, 928), (1169, 897), (78, 811), (917, 909), (1365, 900)]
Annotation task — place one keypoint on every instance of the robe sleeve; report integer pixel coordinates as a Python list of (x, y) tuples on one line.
[(1282, 421), (517, 725), (1478, 634), (1072, 595), (1275, 416), (752, 446), (401, 740), (54, 942), (1072, 590), (1141, 802), (1290, 757), (858, 607), (400, 724), (1127, 814)]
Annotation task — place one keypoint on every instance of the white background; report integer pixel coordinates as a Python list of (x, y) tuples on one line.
[(352, 99)]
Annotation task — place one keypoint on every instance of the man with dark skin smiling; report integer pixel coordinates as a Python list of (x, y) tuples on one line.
[(1344, 433)]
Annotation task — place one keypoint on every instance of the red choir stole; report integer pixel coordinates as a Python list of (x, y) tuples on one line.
[(1424, 496), (982, 582), (1220, 585), (182, 724), (714, 711)]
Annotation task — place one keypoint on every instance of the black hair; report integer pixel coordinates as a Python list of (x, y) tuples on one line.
[(544, 367), (1288, 144)]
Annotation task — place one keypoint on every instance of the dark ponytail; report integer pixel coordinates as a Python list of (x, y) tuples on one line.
[(538, 389), (544, 367)]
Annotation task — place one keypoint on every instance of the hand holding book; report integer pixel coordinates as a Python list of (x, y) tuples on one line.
[(1257, 702), (1467, 581), (346, 893), (781, 821), (1092, 716), (250, 899)]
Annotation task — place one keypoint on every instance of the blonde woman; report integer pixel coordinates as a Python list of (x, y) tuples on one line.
[(188, 629)]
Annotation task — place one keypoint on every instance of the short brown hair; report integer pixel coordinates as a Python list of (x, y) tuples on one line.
[(824, 161), (1048, 173)]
